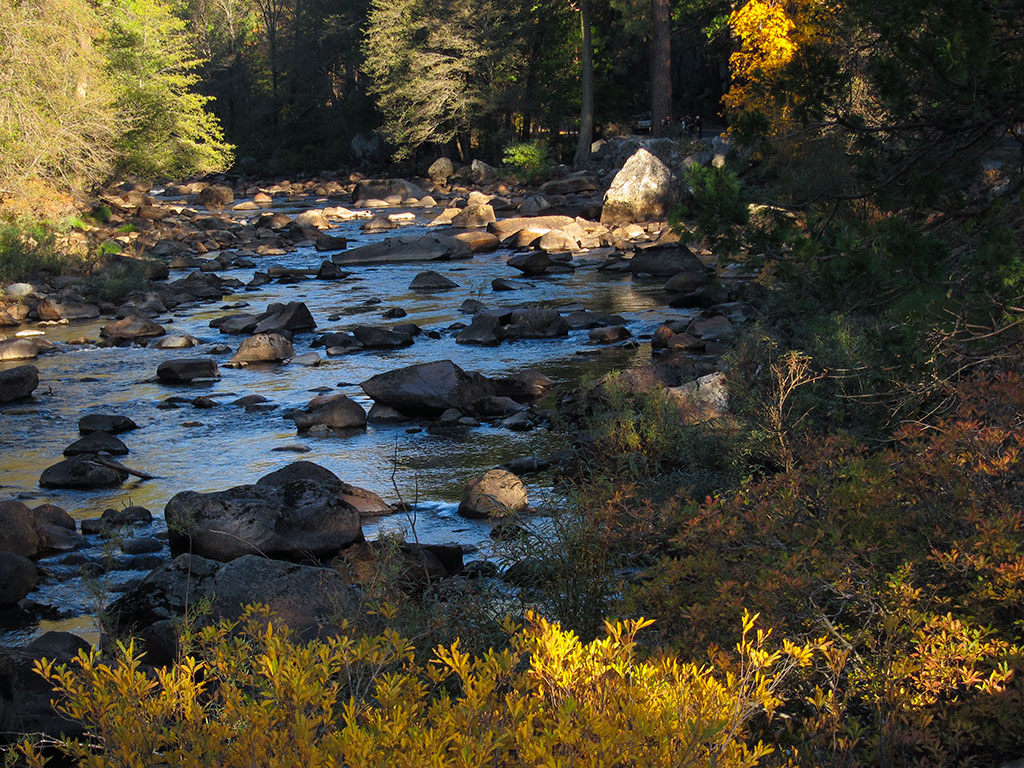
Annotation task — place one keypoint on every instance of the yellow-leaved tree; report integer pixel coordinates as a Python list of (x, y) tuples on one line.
[(770, 34)]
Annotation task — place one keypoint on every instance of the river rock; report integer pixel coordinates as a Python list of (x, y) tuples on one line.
[(485, 330), (56, 529), (293, 316), (306, 358), (496, 406), (17, 529), (416, 564), (367, 502), (441, 170), (97, 442), (474, 216), (556, 241), (702, 399), (297, 520), (16, 383), (187, 369), (270, 220), (382, 189), (643, 190), (718, 327), (532, 263), (51, 514), (536, 323), (19, 349), (215, 196), (380, 338), (406, 248), (664, 262), (501, 284), (309, 599), (496, 492), (687, 281), (609, 334), (131, 515), (178, 341), (665, 338), (427, 388), (53, 309), (263, 348), (132, 327), (312, 219), (478, 241), (385, 414), (18, 577), (571, 185), (111, 423), (507, 228), (239, 323), (431, 281), (337, 412), (480, 171), (82, 472), (525, 386), (25, 697)]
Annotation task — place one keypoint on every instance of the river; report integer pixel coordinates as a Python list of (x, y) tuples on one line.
[(188, 448)]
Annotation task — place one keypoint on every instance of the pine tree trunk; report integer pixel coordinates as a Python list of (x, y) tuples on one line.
[(586, 136), (661, 67)]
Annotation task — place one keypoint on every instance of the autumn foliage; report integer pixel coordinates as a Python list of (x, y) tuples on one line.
[(251, 695)]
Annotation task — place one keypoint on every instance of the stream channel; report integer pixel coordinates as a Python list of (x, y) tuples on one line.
[(213, 449)]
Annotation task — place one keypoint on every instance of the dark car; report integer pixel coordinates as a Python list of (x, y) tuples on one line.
[(642, 123)]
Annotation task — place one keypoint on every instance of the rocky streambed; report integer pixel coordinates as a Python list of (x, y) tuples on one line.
[(399, 341)]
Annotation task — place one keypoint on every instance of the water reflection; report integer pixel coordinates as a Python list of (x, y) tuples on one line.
[(211, 449)]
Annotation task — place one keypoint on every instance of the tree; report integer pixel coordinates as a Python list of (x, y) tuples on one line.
[(661, 66), (432, 68), (57, 121), (586, 135), (897, 90), (169, 131)]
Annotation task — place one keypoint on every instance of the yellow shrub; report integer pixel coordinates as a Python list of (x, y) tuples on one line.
[(252, 696)]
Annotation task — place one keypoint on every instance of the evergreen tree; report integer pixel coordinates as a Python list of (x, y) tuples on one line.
[(423, 60), (169, 131)]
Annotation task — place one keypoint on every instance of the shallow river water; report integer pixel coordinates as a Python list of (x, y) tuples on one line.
[(212, 449)]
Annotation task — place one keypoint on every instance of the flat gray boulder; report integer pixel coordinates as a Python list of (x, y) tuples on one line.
[(97, 442), (382, 189), (666, 261), (85, 471), (132, 327), (298, 520), (406, 248), (112, 423), (428, 388), (507, 228), (187, 369)]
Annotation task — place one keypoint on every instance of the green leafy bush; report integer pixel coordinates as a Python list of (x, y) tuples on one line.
[(529, 161), (27, 248)]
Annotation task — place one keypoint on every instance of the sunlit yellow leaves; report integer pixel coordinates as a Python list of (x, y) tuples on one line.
[(769, 34), (764, 31), (548, 700)]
